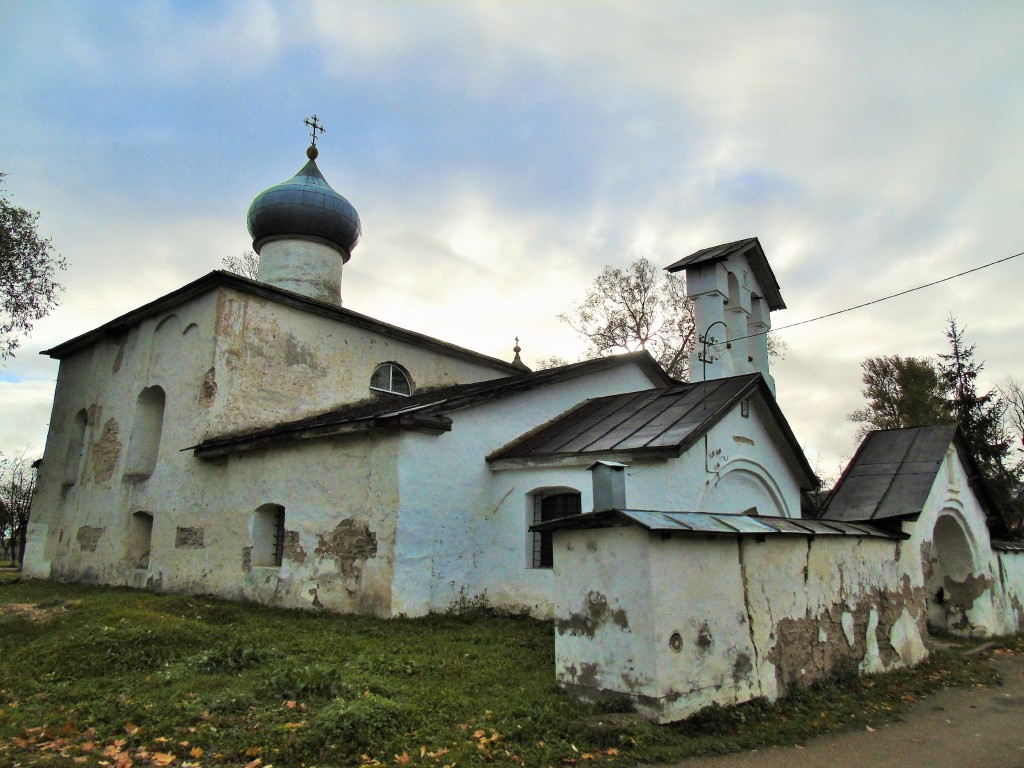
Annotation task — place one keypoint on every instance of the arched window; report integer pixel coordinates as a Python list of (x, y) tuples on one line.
[(391, 377), (140, 539), (146, 429), (549, 504), (73, 458), (268, 536)]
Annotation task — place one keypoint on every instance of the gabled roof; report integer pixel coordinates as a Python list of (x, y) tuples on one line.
[(751, 248), (893, 471), (222, 279), (711, 524), (426, 410), (662, 422)]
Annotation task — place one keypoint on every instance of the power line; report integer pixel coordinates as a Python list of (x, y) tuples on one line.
[(884, 298)]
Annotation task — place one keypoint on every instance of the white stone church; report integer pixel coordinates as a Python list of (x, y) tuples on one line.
[(258, 441)]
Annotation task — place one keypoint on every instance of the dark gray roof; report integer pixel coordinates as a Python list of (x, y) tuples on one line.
[(222, 279), (1008, 546), (426, 410), (751, 248), (711, 524), (893, 472), (304, 206), (662, 421)]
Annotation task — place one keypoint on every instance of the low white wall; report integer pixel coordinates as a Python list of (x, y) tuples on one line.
[(1009, 591), (678, 624)]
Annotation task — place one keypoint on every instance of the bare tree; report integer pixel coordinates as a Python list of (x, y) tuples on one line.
[(636, 308), (1011, 392), (28, 263), (246, 265), (17, 485)]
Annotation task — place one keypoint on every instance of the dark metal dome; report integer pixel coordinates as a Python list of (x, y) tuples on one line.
[(304, 207)]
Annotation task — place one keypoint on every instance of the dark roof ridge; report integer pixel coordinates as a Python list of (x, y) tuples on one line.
[(223, 278), (434, 402), (756, 258)]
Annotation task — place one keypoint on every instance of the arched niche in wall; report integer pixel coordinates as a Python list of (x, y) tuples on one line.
[(741, 485), (76, 446), (147, 426), (140, 539), (953, 573)]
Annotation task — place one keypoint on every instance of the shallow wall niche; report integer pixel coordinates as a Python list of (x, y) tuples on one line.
[(952, 583), (76, 444), (146, 428), (140, 539), (742, 486), (268, 536)]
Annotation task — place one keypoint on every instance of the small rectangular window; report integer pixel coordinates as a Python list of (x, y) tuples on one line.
[(551, 507)]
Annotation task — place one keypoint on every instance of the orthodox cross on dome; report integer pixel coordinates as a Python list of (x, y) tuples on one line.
[(316, 126)]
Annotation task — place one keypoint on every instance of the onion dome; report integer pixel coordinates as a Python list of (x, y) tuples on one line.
[(305, 208)]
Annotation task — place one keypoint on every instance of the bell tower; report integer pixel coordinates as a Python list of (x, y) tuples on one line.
[(733, 290)]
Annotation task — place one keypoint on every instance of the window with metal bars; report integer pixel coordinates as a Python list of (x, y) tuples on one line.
[(268, 536), (550, 506)]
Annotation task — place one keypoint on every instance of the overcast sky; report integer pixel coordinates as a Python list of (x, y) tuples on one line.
[(500, 155)]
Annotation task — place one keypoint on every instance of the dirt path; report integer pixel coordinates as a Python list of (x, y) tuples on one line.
[(956, 728)]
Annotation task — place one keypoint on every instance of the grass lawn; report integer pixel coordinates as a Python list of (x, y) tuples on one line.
[(93, 676), (8, 572)]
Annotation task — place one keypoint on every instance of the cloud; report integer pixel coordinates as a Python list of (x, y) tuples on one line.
[(500, 154)]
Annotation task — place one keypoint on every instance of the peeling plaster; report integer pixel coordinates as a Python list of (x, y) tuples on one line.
[(88, 537), (208, 389), (188, 538), (293, 547), (350, 542), (105, 452), (593, 615)]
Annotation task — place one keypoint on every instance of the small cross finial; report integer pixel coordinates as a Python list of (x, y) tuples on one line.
[(315, 126)]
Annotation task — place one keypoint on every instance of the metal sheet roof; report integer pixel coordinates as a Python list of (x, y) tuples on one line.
[(652, 419), (661, 421), (893, 472), (751, 248), (891, 475), (711, 524), (1008, 546)]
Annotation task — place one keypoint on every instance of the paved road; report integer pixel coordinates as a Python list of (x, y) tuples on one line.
[(955, 728)]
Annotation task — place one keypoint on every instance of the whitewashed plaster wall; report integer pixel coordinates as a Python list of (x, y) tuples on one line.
[(461, 527), (81, 531), (1009, 593), (70, 523), (740, 465), (339, 497), (950, 548), (275, 362), (676, 625)]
